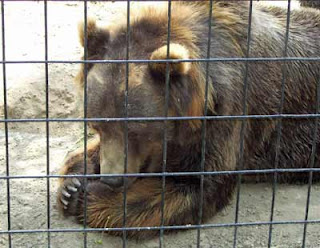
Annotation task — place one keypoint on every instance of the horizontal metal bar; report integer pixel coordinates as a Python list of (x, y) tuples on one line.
[(203, 226), (124, 61), (169, 174), (170, 118)]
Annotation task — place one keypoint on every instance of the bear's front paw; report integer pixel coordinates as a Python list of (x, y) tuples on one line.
[(70, 196)]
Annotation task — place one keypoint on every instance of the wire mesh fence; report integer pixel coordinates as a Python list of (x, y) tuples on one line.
[(243, 117)]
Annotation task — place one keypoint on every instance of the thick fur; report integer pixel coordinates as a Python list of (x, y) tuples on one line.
[(146, 97), (310, 3)]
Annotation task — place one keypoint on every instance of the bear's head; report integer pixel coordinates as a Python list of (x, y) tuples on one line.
[(146, 95)]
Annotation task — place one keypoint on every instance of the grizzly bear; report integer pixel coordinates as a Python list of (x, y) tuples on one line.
[(224, 89)]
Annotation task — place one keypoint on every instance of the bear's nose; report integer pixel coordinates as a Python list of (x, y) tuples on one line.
[(113, 182)]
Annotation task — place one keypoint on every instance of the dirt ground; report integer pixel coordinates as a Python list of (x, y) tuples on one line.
[(24, 26)]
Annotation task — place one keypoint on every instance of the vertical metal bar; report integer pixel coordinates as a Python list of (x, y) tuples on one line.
[(204, 125), (85, 57), (47, 117), (313, 155), (125, 179), (243, 124), (6, 123), (164, 147), (279, 124)]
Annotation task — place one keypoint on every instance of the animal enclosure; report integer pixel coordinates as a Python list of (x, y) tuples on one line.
[(43, 120)]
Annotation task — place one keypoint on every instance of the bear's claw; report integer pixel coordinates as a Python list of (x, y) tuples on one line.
[(71, 188), (69, 196), (65, 193), (64, 202), (76, 182)]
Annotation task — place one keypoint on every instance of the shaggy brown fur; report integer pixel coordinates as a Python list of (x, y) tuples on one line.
[(146, 98), (310, 3)]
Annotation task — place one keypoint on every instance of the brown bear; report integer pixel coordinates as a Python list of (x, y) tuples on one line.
[(263, 87)]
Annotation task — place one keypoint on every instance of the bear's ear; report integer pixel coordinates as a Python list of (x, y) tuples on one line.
[(177, 51), (96, 37)]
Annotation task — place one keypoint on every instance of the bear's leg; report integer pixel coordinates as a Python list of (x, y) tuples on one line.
[(144, 201), (74, 164)]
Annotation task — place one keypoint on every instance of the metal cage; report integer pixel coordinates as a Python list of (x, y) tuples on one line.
[(243, 118)]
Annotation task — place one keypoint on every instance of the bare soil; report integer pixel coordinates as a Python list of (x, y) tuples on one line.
[(27, 146)]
